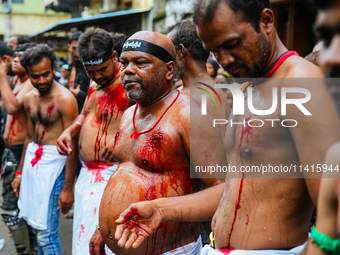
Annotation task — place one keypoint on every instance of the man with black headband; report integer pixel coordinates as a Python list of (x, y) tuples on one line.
[(96, 126), (271, 215), (14, 136), (152, 147)]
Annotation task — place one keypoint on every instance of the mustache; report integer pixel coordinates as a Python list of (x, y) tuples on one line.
[(131, 78)]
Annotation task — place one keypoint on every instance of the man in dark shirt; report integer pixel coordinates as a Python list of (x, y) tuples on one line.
[(78, 81)]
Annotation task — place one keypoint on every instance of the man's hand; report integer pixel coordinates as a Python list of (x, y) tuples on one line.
[(16, 185), (65, 202), (75, 91), (64, 143), (137, 223), (108, 151), (3, 66), (97, 245)]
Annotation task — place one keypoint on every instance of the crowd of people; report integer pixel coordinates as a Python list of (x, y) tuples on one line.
[(111, 133)]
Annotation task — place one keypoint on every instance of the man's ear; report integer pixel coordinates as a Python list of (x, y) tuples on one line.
[(267, 21), (170, 69), (182, 51), (115, 56), (53, 70)]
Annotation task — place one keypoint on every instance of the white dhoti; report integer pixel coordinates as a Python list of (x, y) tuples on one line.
[(42, 166), (207, 250), (89, 190), (193, 248)]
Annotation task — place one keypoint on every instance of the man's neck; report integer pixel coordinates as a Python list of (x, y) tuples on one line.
[(144, 108), (23, 78), (195, 69), (277, 50)]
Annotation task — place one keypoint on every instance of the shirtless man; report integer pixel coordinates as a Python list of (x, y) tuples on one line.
[(255, 214), (191, 60), (96, 127), (328, 216), (50, 108), (152, 148), (14, 136)]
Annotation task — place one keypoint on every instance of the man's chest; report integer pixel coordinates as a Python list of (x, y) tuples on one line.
[(45, 113), (157, 150)]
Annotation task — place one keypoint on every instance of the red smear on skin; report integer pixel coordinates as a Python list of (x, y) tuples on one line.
[(90, 91), (11, 132), (246, 131), (38, 154), (112, 102), (50, 108), (129, 215), (238, 206), (96, 169), (151, 157), (82, 231), (247, 219)]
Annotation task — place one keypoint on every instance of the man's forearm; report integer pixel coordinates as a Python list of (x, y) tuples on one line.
[(71, 165), (189, 208), (10, 101), (76, 125)]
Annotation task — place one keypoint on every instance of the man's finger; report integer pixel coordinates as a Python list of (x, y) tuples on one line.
[(119, 231), (132, 238), (138, 242), (122, 240), (62, 146)]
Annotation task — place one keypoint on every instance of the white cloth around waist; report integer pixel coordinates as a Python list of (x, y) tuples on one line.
[(42, 166), (208, 250), (89, 190)]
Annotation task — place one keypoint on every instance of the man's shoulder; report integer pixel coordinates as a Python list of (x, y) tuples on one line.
[(298, 67)]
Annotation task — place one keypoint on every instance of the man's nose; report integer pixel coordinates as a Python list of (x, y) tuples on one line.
[(224, 57), (97, 76), (129, 69), (42, 79), (330, 56)]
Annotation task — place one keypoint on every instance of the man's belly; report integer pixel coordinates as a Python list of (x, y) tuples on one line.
[(262, 214), (131, 184), (93, 139)]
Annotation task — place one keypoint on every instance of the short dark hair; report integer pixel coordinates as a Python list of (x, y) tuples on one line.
[(74, 36), (95, 43), (25, 46), (185, 33), (23, 39), (322, 4), (251, 10), (36, 54), (5, 50), (118, 42)]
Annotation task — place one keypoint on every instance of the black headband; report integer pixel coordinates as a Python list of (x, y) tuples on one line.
[(98, 61), (147, 47)]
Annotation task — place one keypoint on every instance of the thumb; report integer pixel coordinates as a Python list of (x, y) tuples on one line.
[(78, 87)]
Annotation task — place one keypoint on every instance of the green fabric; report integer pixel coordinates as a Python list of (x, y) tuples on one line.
[(325, 242)]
